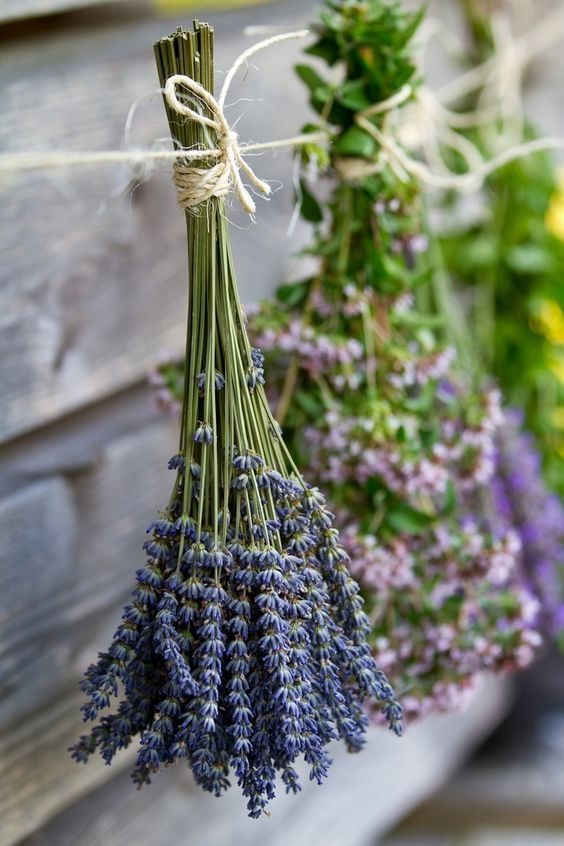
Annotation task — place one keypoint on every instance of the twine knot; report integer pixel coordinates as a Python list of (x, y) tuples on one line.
[(195, 185), (227, 139)]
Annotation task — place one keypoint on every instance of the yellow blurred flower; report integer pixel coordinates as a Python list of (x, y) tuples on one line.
[(556, 364), (558, 417), (172, 6), (554, 219), (551, 321)]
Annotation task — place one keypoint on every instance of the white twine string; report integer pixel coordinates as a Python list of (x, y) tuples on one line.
[(40, 160), (429, 125), (194, 185)]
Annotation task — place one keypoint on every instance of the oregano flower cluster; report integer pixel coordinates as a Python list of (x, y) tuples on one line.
[(408, 474), (375, 401), (244, 647), (403, 437)]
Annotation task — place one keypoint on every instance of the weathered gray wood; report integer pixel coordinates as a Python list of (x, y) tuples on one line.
[(37, 776), (513, 837), (480, 835), (16, 10), (37, 528), (93, 282), (68, 555), (67, 560), (73, 444), (363, 797)]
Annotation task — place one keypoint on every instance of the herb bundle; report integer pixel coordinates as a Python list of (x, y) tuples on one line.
[(244, 646), (370, 395), (508, 266)]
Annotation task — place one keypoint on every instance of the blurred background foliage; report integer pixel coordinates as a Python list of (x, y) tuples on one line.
[(508, 262)]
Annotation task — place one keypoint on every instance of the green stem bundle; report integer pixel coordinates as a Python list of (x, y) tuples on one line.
[(245, 645)]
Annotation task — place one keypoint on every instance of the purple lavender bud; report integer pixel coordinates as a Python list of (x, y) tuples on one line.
[(255, 377), (248, 461), (257, 358), (177, 462), (240, 482), (204, 434)]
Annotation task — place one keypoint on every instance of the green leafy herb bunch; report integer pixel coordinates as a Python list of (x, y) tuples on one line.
[(369, 394)]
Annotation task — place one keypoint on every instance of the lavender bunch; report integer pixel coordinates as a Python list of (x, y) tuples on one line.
[(523, 501), (245, 645)]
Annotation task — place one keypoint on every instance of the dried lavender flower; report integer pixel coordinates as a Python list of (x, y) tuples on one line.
[(245, 644)]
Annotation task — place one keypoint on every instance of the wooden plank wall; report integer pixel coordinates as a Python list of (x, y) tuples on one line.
[(92, 290), (15, 10), (18, 10), (93, 282), (91, 278)]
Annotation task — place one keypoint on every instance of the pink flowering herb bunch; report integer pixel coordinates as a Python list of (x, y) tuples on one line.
[(372, 402), (408, 470)]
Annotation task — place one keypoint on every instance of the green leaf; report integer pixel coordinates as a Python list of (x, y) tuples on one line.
[(403, 518), (374, 487), (416, 320), (321, 94), (327, 247), (479, 253), (325, 49), (310, 77), (450, 499), (529, 258), (293, 294), (356, 142), (353, 95), (309, 207), (309, 403), (396, 270), (414, 21)]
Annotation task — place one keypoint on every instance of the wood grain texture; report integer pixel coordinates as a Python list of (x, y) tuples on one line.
[(93, 277), (365, 795), (16, 10), (72, 445), (37, 775), (36, 563), (520, 785), (78, 544)]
